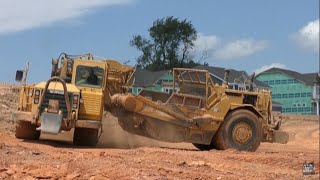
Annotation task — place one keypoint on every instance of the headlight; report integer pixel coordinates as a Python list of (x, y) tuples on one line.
[(37, 93), (36, 101), (75, 101)]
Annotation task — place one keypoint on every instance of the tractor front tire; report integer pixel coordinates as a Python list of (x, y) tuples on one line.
[(85, 137), (26, 130), (241, 130)]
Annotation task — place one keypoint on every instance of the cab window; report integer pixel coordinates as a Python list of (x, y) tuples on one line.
[(89, 76)]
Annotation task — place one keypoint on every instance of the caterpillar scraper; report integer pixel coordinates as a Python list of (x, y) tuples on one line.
[(209, 115), (75, 97)]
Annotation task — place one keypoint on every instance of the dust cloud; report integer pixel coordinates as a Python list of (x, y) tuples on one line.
[(114, 136)]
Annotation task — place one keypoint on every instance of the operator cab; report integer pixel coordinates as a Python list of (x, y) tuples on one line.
[(80, 70), (89, 76)]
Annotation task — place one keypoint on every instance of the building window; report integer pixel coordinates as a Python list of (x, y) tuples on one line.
[(300, 109), (241, 88), (296, 81), (273, 96), (271, 82), (236, 86), (294, 104), (288, 109), (307, 109), (316, 92), (139, 90), (291, 95), (284, 95), (303, 94), (290, 81), (309, 94), (303, 104), (278, 96), (168, 90), (294, 109), (277, 82), (297, 95), (284, 81), (130, 90), (266, 82), (283, 110)]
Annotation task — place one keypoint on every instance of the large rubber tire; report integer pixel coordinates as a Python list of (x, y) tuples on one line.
[(26, 130), (85, 137), (204, 147), (241, 130)]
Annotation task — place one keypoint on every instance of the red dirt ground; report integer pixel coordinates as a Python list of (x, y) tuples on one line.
[(120, 155)]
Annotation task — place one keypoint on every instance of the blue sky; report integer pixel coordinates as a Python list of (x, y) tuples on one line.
[(246, 35)]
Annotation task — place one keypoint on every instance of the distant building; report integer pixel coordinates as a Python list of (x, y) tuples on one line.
[(276, 107), (298, 93), (161, 81), (238, 80)]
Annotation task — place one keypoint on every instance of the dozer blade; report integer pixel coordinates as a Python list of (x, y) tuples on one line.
[(280, 136), (50, 123)]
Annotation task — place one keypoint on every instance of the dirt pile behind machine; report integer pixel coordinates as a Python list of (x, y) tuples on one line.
[(201, 112), (75, 96)]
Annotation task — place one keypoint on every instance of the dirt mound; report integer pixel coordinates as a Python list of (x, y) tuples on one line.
[(8, 104)]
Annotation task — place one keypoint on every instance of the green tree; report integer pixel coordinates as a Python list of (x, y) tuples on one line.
[(170, 45)]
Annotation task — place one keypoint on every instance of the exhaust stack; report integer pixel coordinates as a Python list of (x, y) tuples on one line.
[(226, 77)]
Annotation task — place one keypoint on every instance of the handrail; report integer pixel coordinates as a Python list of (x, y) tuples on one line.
[(65, 95)]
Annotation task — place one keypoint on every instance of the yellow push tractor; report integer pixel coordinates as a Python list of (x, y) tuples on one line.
[(75, 96), (201, 112)]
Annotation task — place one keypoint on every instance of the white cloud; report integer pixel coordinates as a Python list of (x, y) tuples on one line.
[(206, 42), (266, 67), (240, 48), (19, 15), (308, 36), (219, 49)]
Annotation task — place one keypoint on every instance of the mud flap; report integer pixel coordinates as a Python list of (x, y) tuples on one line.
[(50, 123), (280, 136)]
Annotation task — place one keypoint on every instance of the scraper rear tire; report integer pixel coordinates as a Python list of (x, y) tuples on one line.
[(85, 137), (241, 130), (26, 130)]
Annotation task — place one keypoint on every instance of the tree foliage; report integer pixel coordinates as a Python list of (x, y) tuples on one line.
[(170, 45)]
